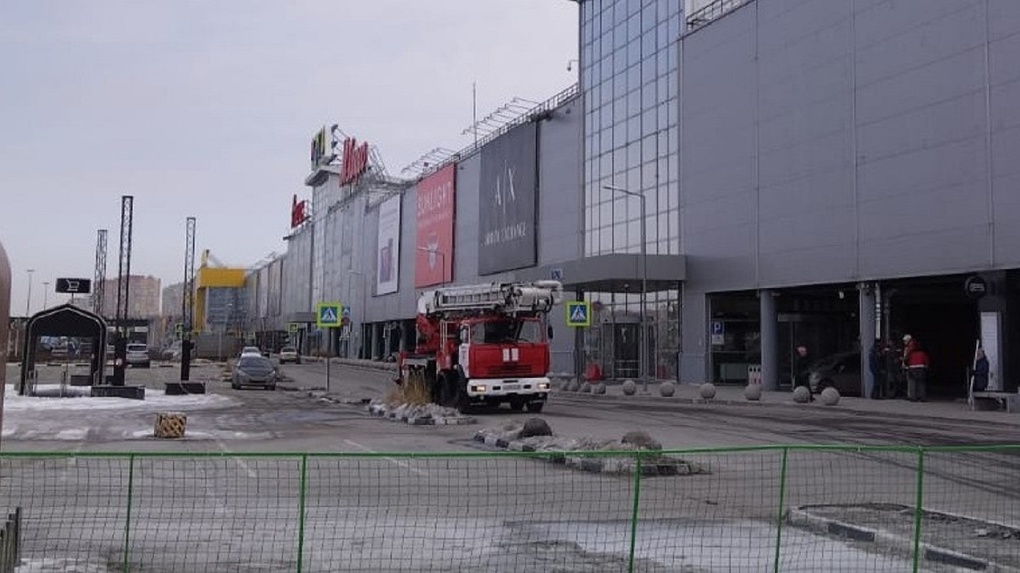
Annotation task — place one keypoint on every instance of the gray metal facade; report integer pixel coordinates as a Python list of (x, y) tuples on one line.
[(346, 263), (826, 142)]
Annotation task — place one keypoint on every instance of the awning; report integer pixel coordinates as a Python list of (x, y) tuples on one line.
[(620, 272)]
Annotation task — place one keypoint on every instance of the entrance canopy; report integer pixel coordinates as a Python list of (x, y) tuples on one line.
[(620, 272), (65, 320)]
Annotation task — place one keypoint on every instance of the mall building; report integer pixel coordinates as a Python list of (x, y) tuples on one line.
[(764, 173)]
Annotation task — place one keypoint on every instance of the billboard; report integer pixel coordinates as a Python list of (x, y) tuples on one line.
[(434, 239), (507, 201), (388, 247)]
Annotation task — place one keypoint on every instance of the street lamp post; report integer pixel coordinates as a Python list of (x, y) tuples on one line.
[(643, 355), (28, 302), (46, 294)]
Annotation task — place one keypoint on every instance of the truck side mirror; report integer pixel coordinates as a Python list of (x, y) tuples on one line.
[(549, 331)]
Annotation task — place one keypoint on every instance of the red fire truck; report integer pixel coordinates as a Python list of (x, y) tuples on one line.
[(484, 344)]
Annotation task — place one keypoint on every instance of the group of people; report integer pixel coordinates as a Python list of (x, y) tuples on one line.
[(899, 372)]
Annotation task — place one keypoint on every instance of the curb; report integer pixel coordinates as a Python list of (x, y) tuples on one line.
[(599, 465), (423, 420), (800, 517)]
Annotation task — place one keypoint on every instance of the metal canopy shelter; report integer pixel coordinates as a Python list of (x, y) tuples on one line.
[(612, 273), (64, 320)]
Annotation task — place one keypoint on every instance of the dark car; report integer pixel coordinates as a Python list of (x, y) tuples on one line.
[(254, 370), (840, 371)]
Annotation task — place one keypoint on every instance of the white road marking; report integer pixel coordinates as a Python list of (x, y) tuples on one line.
[(404, 465), (223, 447)]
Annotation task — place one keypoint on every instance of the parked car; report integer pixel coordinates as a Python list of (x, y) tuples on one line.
[(251, 351), (138, 356), (172, 352), (289, 354), (840, 371), (253, 370)]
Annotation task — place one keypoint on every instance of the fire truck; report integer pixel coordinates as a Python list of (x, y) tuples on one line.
[(484, 344)]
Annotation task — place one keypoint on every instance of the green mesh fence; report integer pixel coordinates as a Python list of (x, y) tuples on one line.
[(796, 508)]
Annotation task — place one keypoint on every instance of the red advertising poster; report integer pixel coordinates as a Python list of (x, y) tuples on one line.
[(434, 240)]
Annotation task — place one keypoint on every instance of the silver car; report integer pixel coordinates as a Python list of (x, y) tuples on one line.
[(138, 356)]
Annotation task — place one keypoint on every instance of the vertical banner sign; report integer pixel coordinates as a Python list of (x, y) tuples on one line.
[(992, 345), (507, 201), (434, 239), (388, 250)]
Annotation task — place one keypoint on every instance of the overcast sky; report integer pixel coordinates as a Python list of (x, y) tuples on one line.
[(207, 109)]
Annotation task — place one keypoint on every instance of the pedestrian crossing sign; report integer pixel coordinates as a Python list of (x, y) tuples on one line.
[(579, 313), (327, 314)]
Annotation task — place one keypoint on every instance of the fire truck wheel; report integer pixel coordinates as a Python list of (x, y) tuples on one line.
[(516, 404), (535, 407)]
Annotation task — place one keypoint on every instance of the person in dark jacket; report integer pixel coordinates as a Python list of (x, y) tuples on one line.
[(981, 369), (876, 364), (802, 368)]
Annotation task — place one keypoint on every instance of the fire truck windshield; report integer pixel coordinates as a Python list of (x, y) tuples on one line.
[(506, 331)]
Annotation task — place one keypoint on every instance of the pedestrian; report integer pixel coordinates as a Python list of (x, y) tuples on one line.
[(915, 361), (981, 370), (876, 364), (802, 368)]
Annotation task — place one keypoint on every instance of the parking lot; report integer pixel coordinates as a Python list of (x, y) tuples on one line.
[(525, 511)]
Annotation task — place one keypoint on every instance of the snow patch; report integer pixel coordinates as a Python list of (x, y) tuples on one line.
[(60, 565), (154, 400)]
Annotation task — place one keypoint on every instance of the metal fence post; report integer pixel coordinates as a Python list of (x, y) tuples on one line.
[(301, 513), (127, 522), (634, 513), (779, 511), (918, 509)]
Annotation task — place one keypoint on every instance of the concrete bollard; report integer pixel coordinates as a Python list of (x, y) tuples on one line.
[(707, 391), (752, 392), (629, 387), (667, 389)]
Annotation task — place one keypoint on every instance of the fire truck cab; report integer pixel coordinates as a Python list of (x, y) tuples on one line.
[(484, 345)]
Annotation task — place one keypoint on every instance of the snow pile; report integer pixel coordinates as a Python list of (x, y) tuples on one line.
[(419, 414), (154, 400), (560, 449)]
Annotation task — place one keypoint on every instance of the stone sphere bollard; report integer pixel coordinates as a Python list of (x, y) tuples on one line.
[(707, 391), (752, 392), (565, 384), (586, 387), (801, 395), (667, 389), (629, 387), (599, 388), (830, 397), (574, 385)]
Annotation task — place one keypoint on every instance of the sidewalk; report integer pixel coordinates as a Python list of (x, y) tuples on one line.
[(734, 396)]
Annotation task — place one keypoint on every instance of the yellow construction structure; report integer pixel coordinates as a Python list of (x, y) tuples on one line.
[(207, 277)]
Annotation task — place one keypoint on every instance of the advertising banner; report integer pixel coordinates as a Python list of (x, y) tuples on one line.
[(388, 250), (507, 202), (434, 239)]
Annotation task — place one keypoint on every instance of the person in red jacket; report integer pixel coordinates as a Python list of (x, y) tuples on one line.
[(915, 361)]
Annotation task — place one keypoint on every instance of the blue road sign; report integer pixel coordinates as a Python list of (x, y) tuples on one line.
[(327, 314), (579, 313)]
